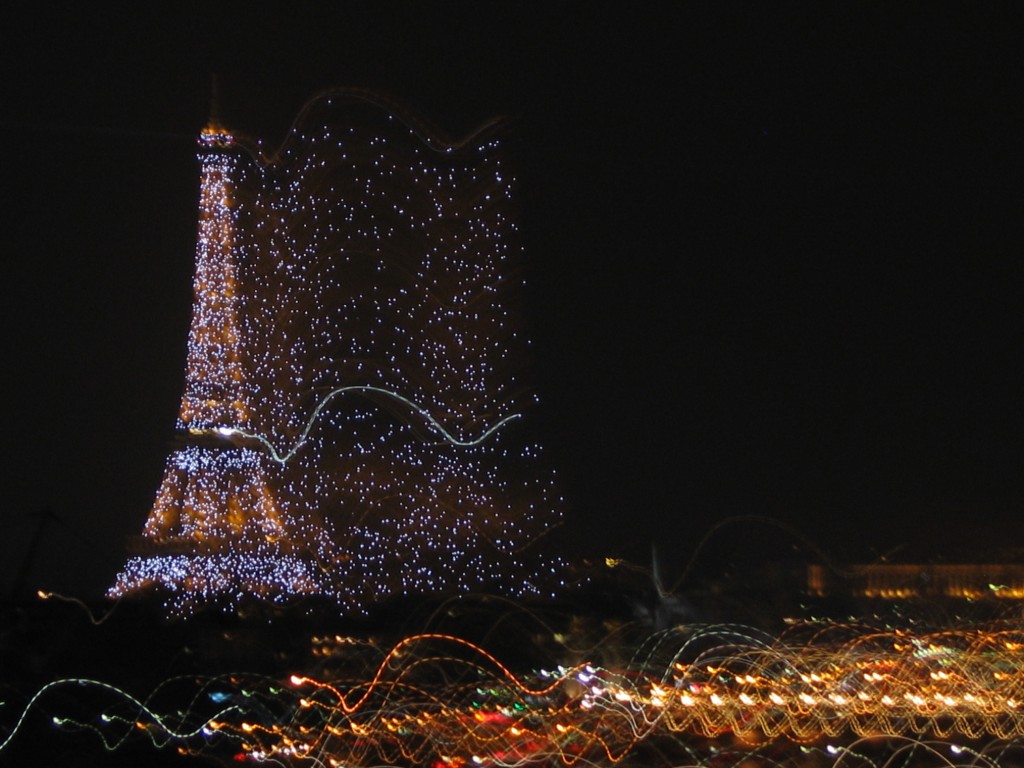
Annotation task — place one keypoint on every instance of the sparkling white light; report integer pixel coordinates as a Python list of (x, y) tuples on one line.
[(369, 258)]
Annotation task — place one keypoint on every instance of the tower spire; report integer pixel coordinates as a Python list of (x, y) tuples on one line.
[(214, 121)]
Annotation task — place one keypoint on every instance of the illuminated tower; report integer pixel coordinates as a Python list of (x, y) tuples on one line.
[(354, 423), (215, 531)]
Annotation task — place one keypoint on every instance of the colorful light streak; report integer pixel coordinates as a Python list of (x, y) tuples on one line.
[(843, 694)]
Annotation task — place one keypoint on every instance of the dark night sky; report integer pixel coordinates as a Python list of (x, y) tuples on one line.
[(773, 257)]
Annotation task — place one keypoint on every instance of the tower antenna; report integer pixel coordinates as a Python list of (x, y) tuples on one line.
[(214, 122)]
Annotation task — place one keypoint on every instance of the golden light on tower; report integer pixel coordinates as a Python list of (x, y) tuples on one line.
[(214, 508)]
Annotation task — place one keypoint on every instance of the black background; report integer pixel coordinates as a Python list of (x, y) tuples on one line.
[(772, 253)]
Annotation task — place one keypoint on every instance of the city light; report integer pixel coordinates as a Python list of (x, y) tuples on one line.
[(708, 694)]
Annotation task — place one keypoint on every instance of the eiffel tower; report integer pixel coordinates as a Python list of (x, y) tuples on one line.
[(215, 530), (350, 422)]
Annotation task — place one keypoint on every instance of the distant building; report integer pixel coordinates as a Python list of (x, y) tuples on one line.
[(890, 581)]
